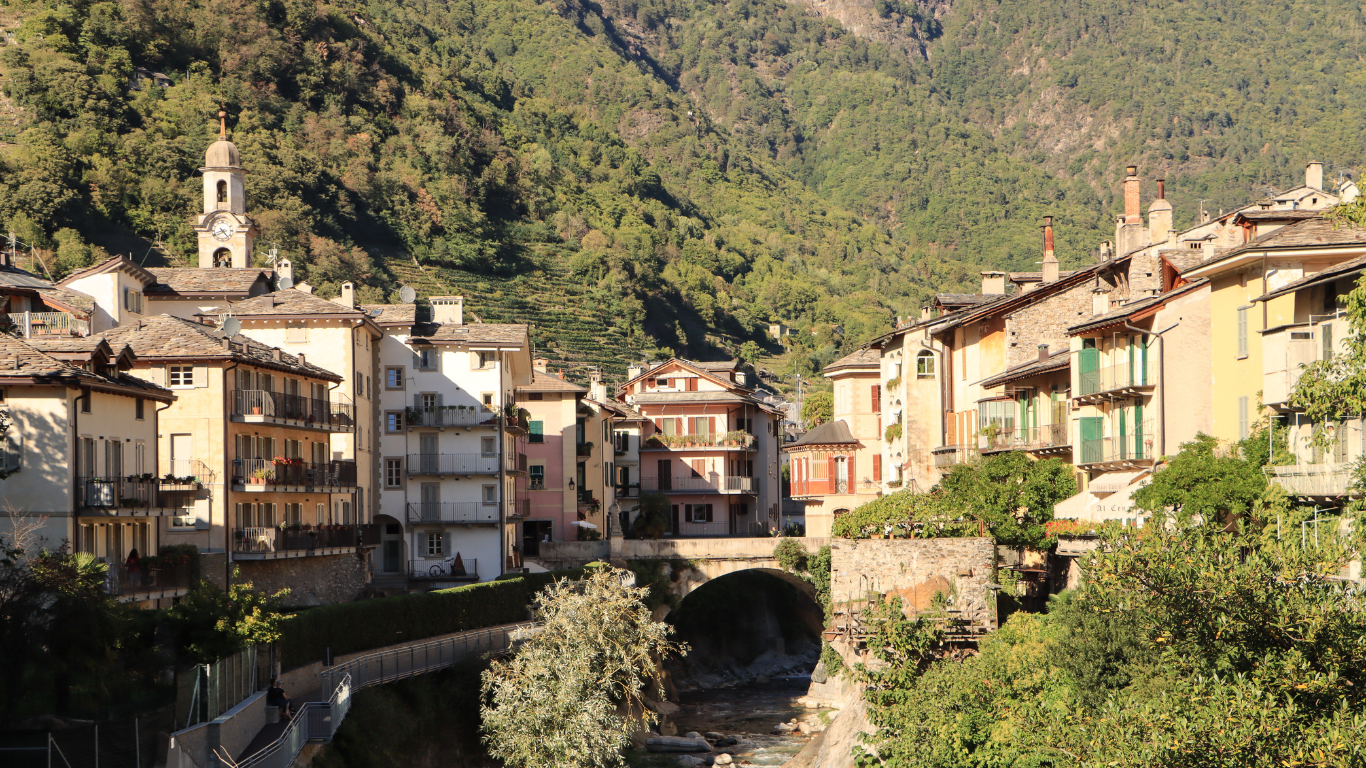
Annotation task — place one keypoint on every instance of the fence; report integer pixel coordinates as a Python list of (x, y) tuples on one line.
[(126, 743), (126, 583), (209, 690), (1312, 479), (316, 721), (448, 416), (271, 539), (47, 324), (444, 569), (712, 484), (452, 512), (332, 474), (311, 410), (452, 464), (1118, 376)]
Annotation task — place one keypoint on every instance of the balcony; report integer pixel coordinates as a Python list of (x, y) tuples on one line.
[(152, 579), (583, 450), (276, 542), (823, 486), (133, 496), (520, 508), (1049, 438), (514, 462), (628, 491), (32, 324), (713, 483), (259, 406), (728, 441), (1118, 380), (444, 570), (949, 455), (298, 476), (453, 512), (184, 474), (1129, 450), (1312, 480), (438, 464), (1285, 353), (440, 417)]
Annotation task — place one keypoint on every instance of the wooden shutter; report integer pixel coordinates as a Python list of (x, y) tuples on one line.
[(877, 467), (831, 478), (692, 384), (853, 476), (876, 390)]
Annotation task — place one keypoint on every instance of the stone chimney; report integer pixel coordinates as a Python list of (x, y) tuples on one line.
[(1050, 261), (633, 370), (275, 354), (449, 309), (925, 313), (1132, 214), (596, 389), (1043, 352), (1160, 213), (348, 296), (541, 365), (1100, 303), (1207, 249), (993, 283), (1313, 175), (284, 270), (300, 355)]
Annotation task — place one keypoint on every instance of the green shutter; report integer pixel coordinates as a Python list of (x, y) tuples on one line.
[(537, 429), (1139, 448), (1092, 431), (1088, 366), (1123, 433)]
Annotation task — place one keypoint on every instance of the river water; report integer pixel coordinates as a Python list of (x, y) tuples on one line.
[(747, 712)]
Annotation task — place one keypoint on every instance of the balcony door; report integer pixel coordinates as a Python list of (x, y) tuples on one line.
[(431, 502), (427, 446), (1092, 432), (841, 474), (181, 447)]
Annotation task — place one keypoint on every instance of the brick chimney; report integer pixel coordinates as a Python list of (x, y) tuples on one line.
[(1050, 261), (1313, 175), (993, 283), (449, 309), (1160, 214), (1132, 213), (1043, 352)]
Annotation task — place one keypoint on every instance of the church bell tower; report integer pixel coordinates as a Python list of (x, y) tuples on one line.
[(225, 232)]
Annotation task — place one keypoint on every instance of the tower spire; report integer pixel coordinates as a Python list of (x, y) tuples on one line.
[(222, 125)]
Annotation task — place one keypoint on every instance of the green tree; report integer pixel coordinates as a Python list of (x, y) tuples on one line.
[(818, 408), (1203, 482), (1010, 493), (211, 624), (574, 693)]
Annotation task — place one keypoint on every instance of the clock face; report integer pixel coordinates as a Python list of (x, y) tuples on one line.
[(222, 229)]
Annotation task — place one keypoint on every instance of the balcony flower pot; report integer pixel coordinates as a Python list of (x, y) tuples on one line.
[(256, 410)]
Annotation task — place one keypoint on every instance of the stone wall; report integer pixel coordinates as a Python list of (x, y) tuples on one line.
[(1046, 322), (213, 568), (311, 580), (916, 570)]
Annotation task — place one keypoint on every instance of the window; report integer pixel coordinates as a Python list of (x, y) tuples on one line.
[(132, 300), (488, 401), (490, 494), (294, 513), (321, 512), (537, 432), (701, 425), (697, 513), (535, 395), (180, 375), (426, 359), (877, 467), (393, 473), (2, 395), (924, 365), (1242, 418), (488, 447), (875, 395), (140, 409), (435, 546), (393, 377), (669, 427), (486, 359), (296, 334), (1242, 332), (367, 387), (536, 474), (393, 421), (85, 400), (222, 188)]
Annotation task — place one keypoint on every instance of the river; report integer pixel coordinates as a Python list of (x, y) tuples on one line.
[(748, 713)]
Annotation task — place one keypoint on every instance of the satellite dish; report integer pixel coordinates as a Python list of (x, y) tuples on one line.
[(232, 326), (286, 283), (407, 294)]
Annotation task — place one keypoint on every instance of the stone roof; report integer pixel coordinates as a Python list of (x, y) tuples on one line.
[(962, 299), (1309, 233), (112, 264), (1333, 273), (1034, 277), (1132, 308), (1056, 361), (684, 397), (499, 334), (164, 336), (21, 360), (549, 382), (831, 433), (712, 366), (621, 409), (1182, 258), (1297, 215), (74, 344), (289, 302), (78, 302), (170, 281), (391, 314), (863, 358)]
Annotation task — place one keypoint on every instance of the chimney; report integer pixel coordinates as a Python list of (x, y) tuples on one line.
[(924, 313), (270, 300), (275, 354), (300, 355), (348, 296), (1050, 262), (304, 288), (227, 343), (1132, 214), (449, 309), (1160, 214), (1043, 352), (596, 389), (1100, 303), (634, 370), (993, 283), (1313, 175), (1207, 249), (540, 364), (284, 271), (1106, 251)]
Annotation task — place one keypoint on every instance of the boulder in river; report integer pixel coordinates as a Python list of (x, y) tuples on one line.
[(714, 736), (676, 744), (667, 728), (723, 759)]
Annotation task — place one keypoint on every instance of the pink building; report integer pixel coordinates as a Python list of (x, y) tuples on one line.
[(564, 461)]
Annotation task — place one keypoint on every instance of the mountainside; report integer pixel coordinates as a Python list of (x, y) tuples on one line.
[(639, 174)]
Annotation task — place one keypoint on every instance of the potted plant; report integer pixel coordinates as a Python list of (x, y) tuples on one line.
[(262, 475)]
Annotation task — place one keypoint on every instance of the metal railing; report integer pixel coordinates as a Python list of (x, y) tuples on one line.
[(515, 462), (583, 449), (520, 508), (316, 721), (399, 663), (125, 582), (444, 569), (312, 411), (452, 512), (332, 474), (1312, 479), (736, 440), (184, 472), (111, 494), (448, 416), (1027, 438), (452, 464), (628, 491), (949, 455), (266, 539), (215, 688), (1121, 375), (711, 484), (46, 324), (1134, 446)]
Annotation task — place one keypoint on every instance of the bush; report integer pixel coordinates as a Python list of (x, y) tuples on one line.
[(368, 624)]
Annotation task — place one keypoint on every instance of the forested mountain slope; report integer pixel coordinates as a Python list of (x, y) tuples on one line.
[(676, 171)]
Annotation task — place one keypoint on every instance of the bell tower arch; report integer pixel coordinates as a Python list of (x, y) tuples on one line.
[(226, 233)]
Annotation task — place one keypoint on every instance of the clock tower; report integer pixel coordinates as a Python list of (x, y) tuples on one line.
[(225, 232)]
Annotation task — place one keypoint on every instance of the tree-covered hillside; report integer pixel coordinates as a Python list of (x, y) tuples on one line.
[(641, 174)]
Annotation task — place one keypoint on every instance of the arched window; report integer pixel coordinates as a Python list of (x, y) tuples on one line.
[(222, 191), (222, 258), (924, 365)]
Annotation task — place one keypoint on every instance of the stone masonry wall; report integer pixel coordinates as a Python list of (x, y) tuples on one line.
[(213, 568), (1046, 322), (915, 570), (311, 580)]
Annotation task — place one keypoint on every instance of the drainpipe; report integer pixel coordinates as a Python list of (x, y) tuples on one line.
[(328, 458), (502, 465), (227, 482), (1161, 383), (75, 443)]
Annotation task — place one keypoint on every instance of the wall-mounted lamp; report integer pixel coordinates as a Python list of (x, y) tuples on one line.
[(571, 483)]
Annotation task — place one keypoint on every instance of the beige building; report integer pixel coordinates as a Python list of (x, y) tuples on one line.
[(249, 439), (82, 459), (837, 466)]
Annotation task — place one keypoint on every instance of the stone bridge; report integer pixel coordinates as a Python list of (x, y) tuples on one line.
[(917, 570)]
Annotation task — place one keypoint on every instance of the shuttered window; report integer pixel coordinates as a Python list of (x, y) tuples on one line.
[(1242, 418), (877, 467), (877, 397), (1242, 332)]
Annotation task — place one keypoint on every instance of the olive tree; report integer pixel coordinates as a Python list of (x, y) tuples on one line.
[(575, 692)]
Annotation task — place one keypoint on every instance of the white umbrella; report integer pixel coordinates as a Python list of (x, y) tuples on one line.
[(585, 524)]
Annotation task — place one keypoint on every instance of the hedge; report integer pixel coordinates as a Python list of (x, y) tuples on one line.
[(367, 624)]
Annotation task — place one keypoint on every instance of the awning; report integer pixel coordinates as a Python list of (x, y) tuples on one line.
[(1109, 497), (1114, 482)]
